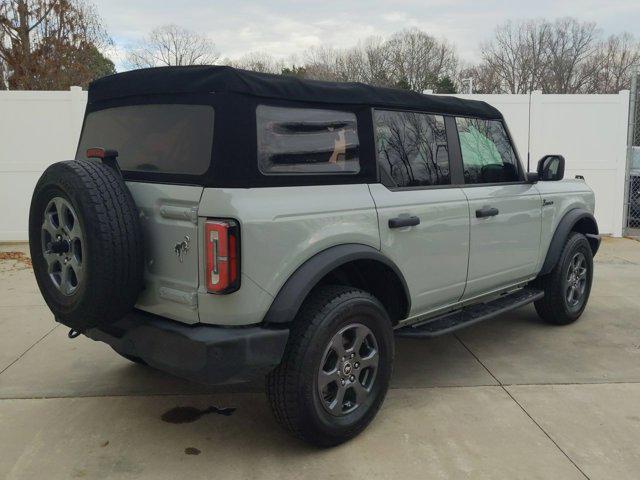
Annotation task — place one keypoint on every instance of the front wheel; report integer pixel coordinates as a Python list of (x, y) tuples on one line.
[(567, 287), (336, 368)]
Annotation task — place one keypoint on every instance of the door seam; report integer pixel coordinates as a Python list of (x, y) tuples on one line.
[(466, 281), (375, 207)]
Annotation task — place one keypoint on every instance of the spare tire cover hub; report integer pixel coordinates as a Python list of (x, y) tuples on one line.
[(62, 243)]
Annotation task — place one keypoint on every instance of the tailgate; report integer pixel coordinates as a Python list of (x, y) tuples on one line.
[(168, 215)]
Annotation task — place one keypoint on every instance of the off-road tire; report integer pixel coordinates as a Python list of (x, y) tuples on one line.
[(292, 387), (112, 253), (554, 307)]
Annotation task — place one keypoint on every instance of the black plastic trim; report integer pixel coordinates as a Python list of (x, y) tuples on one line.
[(203, 353), (565, 226), (290, 297), (401, 222), (455, 153), (467, 316)]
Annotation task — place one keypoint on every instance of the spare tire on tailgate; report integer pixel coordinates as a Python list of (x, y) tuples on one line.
[(86, 243)]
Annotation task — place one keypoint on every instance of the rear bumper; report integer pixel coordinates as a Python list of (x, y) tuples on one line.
[(202, 353)]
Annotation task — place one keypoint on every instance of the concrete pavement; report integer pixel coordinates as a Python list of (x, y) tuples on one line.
[(508, 398)]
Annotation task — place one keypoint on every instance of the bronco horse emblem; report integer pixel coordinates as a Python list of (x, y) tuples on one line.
[(182, 248)]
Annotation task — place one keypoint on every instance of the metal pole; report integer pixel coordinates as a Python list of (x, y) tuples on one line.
[(633, 99), (529, 135), (469, 82)]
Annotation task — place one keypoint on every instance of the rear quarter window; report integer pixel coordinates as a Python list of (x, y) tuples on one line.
[(153, 138), (412, 149), (306, 141)]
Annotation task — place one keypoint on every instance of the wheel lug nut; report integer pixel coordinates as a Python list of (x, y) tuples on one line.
[(342, 382), (356, 365), (353, 355), (352, 378)]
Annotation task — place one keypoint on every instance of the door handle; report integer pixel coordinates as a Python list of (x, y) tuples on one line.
[(487, 212), (400, 222)]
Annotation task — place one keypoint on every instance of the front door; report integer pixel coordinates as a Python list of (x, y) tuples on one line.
[(423, 219), (505, 210)]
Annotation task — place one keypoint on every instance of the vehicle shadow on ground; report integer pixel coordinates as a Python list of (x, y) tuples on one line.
[(443, 361)]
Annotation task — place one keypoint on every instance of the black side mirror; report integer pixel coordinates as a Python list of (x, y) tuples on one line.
[(532, 177), (551, 168)]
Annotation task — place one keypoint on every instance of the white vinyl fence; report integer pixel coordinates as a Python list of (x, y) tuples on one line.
[(39, 128), (36, 129), (589, 130)]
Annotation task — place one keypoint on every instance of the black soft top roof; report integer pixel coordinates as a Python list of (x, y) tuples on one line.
[(206, 79)]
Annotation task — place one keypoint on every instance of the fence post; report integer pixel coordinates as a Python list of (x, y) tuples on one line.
[(534, 100), (631, 131)]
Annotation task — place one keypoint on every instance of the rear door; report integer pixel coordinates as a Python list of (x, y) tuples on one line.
[(423, 219), (159, 144), (505, 210)]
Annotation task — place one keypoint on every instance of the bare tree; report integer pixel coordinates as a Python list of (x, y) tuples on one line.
[(418, 60), (51, 44), (376, 61), (258, 62), (4, 81), (411, 59), (173, 45), (369, 62), (614, 62), (564, 56), (321, 63), (483, 78), (515, 60), (570, 47)]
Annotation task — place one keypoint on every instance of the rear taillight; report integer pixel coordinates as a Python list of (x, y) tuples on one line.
[(222, 249)]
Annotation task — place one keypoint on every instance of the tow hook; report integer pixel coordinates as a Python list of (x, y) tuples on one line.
[(73, 333)]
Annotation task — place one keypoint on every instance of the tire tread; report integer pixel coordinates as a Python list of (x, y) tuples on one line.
[(282, 383), (112, 226), (551, 306)]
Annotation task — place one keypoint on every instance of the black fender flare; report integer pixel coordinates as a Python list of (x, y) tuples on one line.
[(579, 220), (287, 302)]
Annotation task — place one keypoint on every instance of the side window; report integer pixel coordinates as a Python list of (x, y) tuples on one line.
[(306, 141), (487, 153), (412, 149)]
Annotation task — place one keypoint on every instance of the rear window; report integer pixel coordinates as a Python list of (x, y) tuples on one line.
[(412, 149), (153, 138), (307, 141)]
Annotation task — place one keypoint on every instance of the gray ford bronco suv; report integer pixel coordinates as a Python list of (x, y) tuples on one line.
[(225, 225)]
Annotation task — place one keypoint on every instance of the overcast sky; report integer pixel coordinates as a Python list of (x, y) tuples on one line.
[(283, 28)]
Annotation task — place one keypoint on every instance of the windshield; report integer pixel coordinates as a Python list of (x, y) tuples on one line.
[(153, 138)]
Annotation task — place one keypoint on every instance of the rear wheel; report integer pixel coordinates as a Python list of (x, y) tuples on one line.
[(336, 368), (567, 287)]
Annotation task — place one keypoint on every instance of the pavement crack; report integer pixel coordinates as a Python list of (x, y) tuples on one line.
[(545, 432), (257, 391), (478, 360), (27, 350), (522, 407)]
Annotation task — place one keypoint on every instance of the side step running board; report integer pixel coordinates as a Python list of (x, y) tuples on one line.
[(466, 316)]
